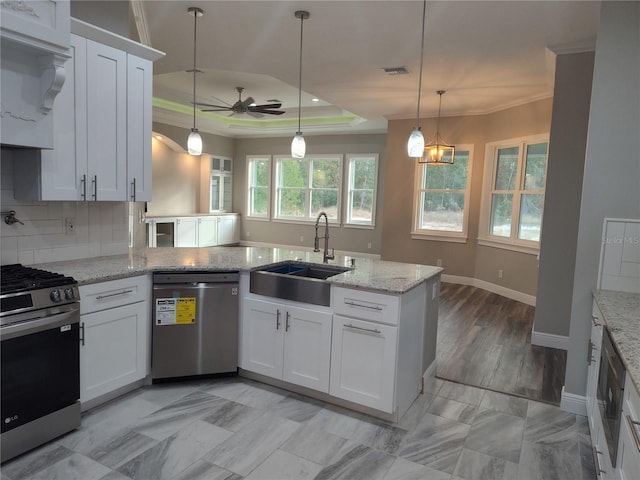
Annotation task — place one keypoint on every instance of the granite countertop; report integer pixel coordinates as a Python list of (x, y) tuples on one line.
[(369, 274), (621, 312)]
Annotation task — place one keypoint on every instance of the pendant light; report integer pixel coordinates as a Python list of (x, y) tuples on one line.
[(415, 145), (438, 152), (298, 145), (194, 143)]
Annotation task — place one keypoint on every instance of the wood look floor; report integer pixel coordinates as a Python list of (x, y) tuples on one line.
[(484, 340)]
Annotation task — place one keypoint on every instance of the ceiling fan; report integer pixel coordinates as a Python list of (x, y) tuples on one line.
[(244, 106)]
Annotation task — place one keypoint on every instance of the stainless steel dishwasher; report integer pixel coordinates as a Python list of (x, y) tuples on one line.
[(195, 324)]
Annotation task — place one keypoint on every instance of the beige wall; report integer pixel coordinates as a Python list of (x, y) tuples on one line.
[(342, 238), (460, 259)]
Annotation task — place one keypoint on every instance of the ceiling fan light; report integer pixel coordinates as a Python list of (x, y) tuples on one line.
[(298, 146), (194, 143), (415, 145)]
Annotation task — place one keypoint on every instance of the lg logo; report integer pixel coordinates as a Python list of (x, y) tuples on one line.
[(11, 419)]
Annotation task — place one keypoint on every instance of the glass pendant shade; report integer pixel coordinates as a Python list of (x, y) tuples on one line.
[(415, 145), (438, 154), (194, 143), (298, 146)]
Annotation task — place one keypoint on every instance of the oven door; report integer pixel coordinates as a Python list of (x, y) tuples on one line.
[(40, 366), (610, 393)]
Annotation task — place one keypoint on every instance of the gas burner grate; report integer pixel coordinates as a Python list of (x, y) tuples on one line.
[(18, 278)]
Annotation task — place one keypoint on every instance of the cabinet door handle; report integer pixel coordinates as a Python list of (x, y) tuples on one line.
[(83, 181), (278, 319), (82, 334), (635, 427), (286, 323), (94, 183), (372, 330), (590, 352), (596, 460), (595, 323), (124, 292), (354, 304), (133, 190)]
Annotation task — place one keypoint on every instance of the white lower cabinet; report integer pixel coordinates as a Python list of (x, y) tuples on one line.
[(287, 342), (363, 357), (186, 234), (114, 350)]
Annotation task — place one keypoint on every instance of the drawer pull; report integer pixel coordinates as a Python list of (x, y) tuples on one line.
[(372, 330), (286, 325), (278, 319), (595, 323), (635, 430), (596, 461), (82, 334), (354, 304), (124, 292)]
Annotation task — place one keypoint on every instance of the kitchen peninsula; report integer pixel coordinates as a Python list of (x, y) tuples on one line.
[(384, 312)]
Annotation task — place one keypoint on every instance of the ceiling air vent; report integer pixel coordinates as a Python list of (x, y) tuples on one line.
[(396, 70)]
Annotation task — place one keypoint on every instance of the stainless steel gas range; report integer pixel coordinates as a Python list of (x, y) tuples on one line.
[(40, 350)]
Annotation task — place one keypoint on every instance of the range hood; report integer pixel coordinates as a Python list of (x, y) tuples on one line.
[(34, 41)]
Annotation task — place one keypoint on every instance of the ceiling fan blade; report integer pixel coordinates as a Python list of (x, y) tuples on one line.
[(254, 114), (248, 101), (199, 104), (225, 109), (271, 112), (268, 105)]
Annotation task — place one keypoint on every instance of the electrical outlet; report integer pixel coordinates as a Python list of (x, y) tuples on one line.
[(499, 273), (439, 262), (69, 226), (369, 245)]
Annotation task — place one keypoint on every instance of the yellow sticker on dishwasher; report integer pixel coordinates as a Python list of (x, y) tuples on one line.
[(176, 311)]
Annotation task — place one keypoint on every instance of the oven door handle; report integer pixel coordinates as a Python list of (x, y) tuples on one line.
[(65, 317)]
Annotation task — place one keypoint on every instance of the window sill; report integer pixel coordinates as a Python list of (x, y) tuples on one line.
[(490, 242), (358, 225), (258, 219), (439, 238)]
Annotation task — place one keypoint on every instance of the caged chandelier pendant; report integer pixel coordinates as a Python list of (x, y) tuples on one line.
[(415, 145), (194, 142), (438, 152)]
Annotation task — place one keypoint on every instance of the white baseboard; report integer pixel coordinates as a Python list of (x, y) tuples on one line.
[(572, 403), (430, 371), (491, 287), (549, 340)]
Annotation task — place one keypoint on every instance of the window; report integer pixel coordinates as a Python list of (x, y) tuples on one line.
[(305, 187), (441, 205), (220, 185), (514, 192), (361, 189), (259, 188)]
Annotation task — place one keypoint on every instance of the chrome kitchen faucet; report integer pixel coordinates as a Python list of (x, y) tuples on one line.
[(316, 240)]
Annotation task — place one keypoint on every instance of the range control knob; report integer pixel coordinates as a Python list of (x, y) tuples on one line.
[(55, 296), (68, 294)]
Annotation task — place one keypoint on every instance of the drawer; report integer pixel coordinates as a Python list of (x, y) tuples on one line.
[(371, 306), (114, 293)]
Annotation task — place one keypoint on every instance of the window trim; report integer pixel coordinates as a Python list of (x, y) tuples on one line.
[(442, 235), (249, 160), (348, 158), (484, 236), (309, 159)]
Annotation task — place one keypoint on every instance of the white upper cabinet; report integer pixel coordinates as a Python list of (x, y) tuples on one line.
[(102, 135)]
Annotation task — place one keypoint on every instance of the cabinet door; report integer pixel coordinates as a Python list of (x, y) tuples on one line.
[(65, 167), (186, 234), (263, 337), (106, 122), (207, 231), (115, 350), (139, 95), (307, 348), (363, 362), (226, 229)]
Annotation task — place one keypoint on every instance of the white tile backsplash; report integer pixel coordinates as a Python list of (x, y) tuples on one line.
[(101, 228), (620, 256)]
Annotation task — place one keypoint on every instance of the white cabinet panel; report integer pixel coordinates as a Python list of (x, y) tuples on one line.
[(139, 112), (287, 342), (227, 229), (629, 442), (207, 231), (186, 233), (363, 362)]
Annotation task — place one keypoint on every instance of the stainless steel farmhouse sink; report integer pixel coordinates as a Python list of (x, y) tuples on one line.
[(293, 280)]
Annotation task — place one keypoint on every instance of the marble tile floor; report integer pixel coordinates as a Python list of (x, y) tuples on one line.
[(234, 429)]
